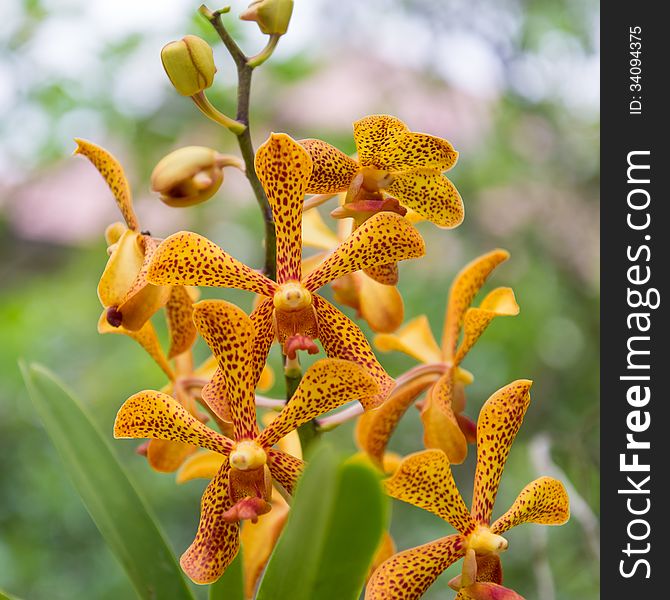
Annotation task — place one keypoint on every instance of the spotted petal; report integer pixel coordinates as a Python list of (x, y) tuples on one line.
[(217, 542), (284, 168), (430, 194), (230, 335), (285, 469), (326, 385), (112, 171), (412, 150), (341, 338), (186, 258), (424, 479), (205, 464), (373, 134), (264, 335), (407, 575), (382, 238), (215, 395), (179, 313), (150, 414), (543, 501), (415, 339), (333, 170), (463, 290), (497, 426), (498, 303)]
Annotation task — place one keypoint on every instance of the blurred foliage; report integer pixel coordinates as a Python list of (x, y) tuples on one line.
[(528, 173)]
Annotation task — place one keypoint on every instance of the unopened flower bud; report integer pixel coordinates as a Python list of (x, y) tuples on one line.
[(190, 175), (114, 232), (189, 63), (272, 16)]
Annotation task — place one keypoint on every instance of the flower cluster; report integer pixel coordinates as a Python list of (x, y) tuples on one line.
[(205, 421)]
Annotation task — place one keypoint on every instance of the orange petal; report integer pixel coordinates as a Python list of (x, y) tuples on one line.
[(375, 428), (440, 425), (285, 469), (543, 501), (315, 233), (380, 305), (498, 303), (179, 313), (332, 169), (326, 385), (430, 194), (150, 414), (373, 134), (123, 266), (463, 290), (217, 542), (264, 335), (407, 575), (341, 338), (284, 168), (215, 395), (145, 337), (230, 335), (415, 339), (187, 258), (424, 479), (382, 238), (204, 464), (167, 456), (497, 426), (487, 591), (112, 171)]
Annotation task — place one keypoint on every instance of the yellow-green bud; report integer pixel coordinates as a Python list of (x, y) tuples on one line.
[(190, 175), (189, 63), (272, 16)]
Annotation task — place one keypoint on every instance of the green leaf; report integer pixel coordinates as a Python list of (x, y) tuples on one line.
[(334, 528), (6, 596), (119, 511), (231, 584)]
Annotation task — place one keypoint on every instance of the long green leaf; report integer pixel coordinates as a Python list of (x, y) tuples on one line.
[(119, 511), (334, 527)]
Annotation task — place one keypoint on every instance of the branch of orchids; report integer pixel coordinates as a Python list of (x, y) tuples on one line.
[(244, 71)]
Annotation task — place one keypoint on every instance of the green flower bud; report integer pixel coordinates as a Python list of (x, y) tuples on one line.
[(272, 16), (189, 63), (190, 175)]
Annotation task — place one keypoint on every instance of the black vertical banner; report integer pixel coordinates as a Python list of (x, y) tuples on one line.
[(635, 368)]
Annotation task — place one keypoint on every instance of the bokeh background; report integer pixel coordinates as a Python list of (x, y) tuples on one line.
[(512, 84)]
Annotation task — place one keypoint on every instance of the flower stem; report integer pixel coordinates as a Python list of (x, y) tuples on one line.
[(265, 53)]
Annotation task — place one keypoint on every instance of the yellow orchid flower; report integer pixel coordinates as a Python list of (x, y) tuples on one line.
[(425, 480), (444, 425), (242, 487), (379, 304), (128, 298), (291, 311)]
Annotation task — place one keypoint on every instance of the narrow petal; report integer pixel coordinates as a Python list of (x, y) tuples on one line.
[(415, 339), (326, 385), (186, 258), (380, 305), (150, 414), (341, 338), (112, 171), (230, 335), (424, 479), (145, 337), (285, 469), (430, 194), (258, 541), (122, 269), (315, 233), (463, 290), (373, 134), (497, 426), (332, 169), (412, 150), (498, 303), (440, 425), (217, 542), (382, 238), (202, 465), (487, 591), (407, 575), (543, 501), (167, 456), (179, 313), (284, 168), (264, 335), (375, 428)]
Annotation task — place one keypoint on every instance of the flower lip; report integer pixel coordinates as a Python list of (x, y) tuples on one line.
[(292, 296), (483, 541), (247, 456)]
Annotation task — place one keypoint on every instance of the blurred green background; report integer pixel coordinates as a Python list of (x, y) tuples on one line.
[(512, 84)]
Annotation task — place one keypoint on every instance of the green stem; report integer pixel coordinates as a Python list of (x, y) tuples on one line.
[(265, 53)]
